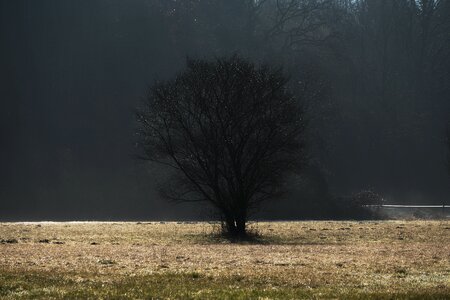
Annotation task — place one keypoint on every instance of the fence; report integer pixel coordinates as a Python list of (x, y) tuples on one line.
[(442, 207)]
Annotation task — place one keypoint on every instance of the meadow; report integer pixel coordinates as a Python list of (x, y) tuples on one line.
[(189, 260)]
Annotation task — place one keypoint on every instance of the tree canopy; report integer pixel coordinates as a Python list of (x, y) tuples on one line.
[(231, 130)]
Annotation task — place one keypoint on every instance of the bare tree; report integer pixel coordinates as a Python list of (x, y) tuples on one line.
[(230, 129), (300, 23)]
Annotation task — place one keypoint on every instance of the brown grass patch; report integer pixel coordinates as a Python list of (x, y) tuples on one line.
[(392, 256)]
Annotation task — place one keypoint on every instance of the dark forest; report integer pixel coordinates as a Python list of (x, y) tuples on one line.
[(374, 76)]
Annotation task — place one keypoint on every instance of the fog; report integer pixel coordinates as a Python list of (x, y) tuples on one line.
[(72, 73)]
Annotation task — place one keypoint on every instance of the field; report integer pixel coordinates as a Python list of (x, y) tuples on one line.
[(177, 260)]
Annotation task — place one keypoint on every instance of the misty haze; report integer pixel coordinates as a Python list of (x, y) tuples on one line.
[(224, 149)]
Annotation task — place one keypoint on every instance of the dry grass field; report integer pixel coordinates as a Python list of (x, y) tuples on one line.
[(289, 260)]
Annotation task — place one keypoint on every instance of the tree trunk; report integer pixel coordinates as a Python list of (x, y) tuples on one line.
[(240, 227), (230, 226), (235, 227)]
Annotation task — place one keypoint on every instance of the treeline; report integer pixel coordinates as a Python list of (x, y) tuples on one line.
[(375, 74), (383, 67)]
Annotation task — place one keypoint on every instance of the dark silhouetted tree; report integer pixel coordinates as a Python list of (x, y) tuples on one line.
[(230, 129)]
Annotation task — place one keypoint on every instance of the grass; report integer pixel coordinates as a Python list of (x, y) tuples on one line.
[(184, 286), (289, 260)]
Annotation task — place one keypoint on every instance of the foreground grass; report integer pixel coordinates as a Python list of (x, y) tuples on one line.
[(184, 286), (290, 260)]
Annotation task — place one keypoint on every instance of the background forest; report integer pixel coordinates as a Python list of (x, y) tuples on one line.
[(71, 74)]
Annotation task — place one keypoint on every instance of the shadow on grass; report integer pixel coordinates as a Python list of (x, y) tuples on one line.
[(218, 238)]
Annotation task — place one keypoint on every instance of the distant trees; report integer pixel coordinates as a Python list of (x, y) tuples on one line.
[(230, 129), (447, 144), (384, 64), (395, 88)]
